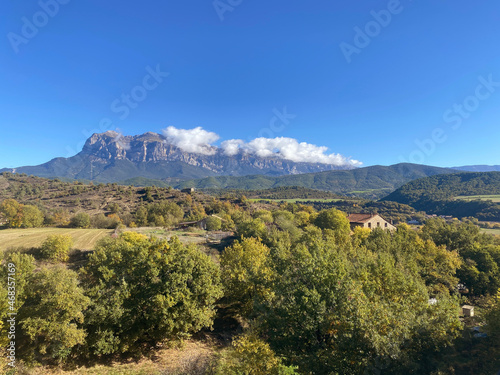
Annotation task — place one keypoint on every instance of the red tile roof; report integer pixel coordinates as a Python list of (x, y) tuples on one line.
[(359, 218)]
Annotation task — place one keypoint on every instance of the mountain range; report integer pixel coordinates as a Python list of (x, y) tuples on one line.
[(150, 159), (111, 157)]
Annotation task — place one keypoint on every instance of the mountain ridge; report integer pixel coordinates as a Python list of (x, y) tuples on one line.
[(112, 157), (373, 181)]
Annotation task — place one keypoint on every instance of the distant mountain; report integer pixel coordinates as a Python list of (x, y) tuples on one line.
[(374, 181), (479, 168), (436, 194), (111, 157)]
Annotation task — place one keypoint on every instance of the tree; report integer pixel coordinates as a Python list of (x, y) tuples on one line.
[(331, 311), (480, 270), (141, 216), (145, 291), (50, 316), (32, 217), (213, 223), (56, 247), (336, 221), (12, 212), (23, 265), (252, 228), (80, 220), (493, 318), (245, 272)]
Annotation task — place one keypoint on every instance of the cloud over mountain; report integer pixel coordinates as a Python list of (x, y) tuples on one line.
[(195, 140), (200, 141)]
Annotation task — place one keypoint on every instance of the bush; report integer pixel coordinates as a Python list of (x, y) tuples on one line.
[(250, 355), (105, 222), (213, 223), (168, 293), (80, 220), (56, 247)]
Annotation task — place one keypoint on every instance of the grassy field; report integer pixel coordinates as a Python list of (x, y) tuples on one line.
[(491, 231), (191, 358), (493, 198), (85, 239)]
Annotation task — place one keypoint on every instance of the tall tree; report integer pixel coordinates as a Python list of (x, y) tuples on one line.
[(145, 291)]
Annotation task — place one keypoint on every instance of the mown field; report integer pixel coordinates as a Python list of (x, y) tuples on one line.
[(84, 239), (493, 198)]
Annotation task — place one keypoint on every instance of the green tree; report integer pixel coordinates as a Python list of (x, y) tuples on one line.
[(332, 311), (141, 216), (56, 247), (480, 271), (80, 220), (245, 272), (252, 228), (213, 223), (493, 318), (145, 291), (32, 217), (50, 316), (336, 221)]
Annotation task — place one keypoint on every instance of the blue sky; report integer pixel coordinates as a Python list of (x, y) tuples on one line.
[(420, 84)]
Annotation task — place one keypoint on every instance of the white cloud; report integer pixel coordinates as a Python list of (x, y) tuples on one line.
[(287, 148), (232, 147), (195, 140), (200, 141)]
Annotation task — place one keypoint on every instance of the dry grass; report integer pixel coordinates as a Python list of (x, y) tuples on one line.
[(85, 239), (191, 359)]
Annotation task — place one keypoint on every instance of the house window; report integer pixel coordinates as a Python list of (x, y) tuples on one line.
[(386, 225), (369, 225), (378, 223)]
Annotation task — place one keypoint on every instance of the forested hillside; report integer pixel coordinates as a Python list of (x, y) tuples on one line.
[(436, 194), (368, 182)]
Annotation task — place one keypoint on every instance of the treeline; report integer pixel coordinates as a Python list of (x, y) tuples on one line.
[(436, 195), (397, 212), (283, 192), (313, 297)]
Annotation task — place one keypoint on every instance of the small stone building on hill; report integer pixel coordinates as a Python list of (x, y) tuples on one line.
[(370, 221)]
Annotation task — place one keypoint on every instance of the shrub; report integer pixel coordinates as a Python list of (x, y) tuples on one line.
[(56, 247), (80, 220), (213, 223)]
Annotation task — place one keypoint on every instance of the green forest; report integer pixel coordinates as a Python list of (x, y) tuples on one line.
[(436, 195)]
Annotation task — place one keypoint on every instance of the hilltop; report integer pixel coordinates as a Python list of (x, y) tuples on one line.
[(436, 194)]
